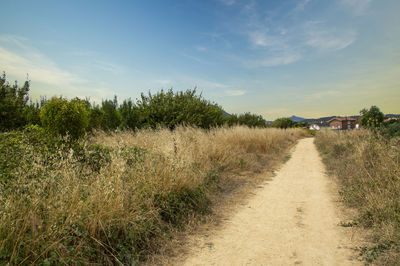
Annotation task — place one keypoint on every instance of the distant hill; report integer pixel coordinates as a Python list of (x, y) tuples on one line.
[(225, 113), (297, 119)]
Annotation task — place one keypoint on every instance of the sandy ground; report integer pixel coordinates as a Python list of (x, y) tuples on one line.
[(291, 220)]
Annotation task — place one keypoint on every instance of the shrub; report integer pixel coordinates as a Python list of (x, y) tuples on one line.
[(170, 109), (64, 117), (391, 129), (248, 119), (368, 169), (96, 119), (283, 123)]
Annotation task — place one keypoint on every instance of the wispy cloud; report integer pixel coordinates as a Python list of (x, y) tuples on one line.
[(301, 5), (235, 92), (358, 7), (263, 39), (328, 39), (19, 58)]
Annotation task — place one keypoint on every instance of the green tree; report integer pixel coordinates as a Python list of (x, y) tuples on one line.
[(372, 118), (129, 115), (112, 118), (13, 100), (392, 128), (170, 109), (63, 117), (96, 118), (284, 122), (231, 120), (251, 120)]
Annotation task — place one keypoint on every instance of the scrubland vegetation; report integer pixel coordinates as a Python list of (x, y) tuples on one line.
[(83, 184), (367, 165), (111, 197)]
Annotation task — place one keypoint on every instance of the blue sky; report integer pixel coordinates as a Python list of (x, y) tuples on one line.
[(274, 57)]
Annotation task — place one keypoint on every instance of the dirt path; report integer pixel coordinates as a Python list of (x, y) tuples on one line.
[(291, 220)]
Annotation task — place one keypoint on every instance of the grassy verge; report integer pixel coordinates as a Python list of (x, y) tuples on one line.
[(111, 198), (368, 168)]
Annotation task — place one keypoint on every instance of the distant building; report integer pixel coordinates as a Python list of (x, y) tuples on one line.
[(343, 123), (315, 126), (390, 119)]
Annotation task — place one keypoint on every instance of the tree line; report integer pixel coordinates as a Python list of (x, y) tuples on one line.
[(77, 116)]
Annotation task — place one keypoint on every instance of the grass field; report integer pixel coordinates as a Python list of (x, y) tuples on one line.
[(112, 198), (368, 169)]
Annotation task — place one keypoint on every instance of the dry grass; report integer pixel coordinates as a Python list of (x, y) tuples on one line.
[(368, 168), (111, 198)]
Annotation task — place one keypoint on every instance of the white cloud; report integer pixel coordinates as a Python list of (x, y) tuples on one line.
[(235, 92), (359, 7), (327, 39), (302, 4), (262, 39), (19, 58)]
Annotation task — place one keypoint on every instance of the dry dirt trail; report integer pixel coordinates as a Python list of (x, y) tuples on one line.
[(291, 220)]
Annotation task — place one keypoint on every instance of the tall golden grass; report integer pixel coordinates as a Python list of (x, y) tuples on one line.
[(368, 168), (130, 189)]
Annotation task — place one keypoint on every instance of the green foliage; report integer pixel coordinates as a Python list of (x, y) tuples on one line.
[(170, 109), (129, 115), (391, 129), (372, 118), (251, 120), (97, 156), (284, 123), (248, 119), (32, 112), (367, 167), (13, 100), (176, 205), (96, 118), (133, 155), (112, 118), (22, 147), (63, 117)]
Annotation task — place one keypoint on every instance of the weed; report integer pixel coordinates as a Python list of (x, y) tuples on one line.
[(110, 199), (368, 170)]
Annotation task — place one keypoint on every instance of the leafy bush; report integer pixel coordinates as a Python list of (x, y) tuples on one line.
[(248, 119), (391, 129), (170, 109), (284, 123), (96, 119), (97, 157), (64, 117)]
